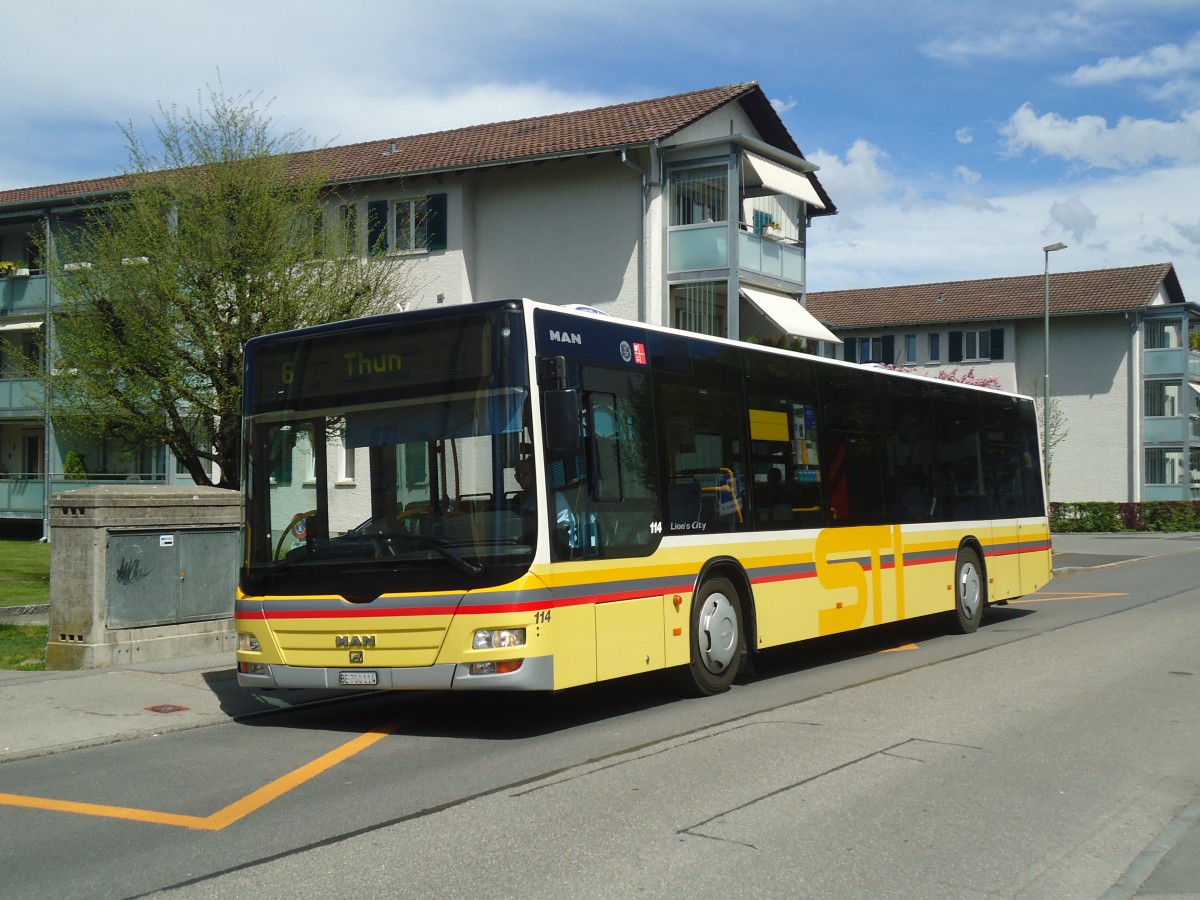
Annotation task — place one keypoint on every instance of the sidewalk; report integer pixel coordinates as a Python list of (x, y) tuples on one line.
[(42, 713), (50, 712)]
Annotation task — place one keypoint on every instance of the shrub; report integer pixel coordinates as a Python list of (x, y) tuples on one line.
[(1160, 515)]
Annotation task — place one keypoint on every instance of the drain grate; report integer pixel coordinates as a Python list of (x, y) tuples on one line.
[(166, 708)]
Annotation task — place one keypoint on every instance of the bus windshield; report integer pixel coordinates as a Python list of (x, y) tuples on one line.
[(432, 420)]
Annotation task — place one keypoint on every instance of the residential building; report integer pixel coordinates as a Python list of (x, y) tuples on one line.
[(1124, 350), (690, 210)]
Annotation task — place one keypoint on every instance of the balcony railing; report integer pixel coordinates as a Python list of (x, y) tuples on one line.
[(23, 495), (778, 259), (702, 247), (698, 247), (20, 398), (21, 296)]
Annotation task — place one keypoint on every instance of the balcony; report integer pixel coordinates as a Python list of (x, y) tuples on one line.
[(775, 258), (21, 398), (23, 496), (696, 248), (705, 247), (21, 296)]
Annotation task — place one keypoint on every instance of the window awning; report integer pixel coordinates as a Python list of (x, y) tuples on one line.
[(20, 326), (789, 315), (783, 180), (1195, 387)]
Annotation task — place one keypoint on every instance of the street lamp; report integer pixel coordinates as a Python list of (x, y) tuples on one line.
[(1047, 250)]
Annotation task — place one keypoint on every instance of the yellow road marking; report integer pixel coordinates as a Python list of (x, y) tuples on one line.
[(1044, 596), (222, 818), (901, 647)]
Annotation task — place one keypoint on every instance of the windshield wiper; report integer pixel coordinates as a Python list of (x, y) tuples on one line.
[(463, 565)]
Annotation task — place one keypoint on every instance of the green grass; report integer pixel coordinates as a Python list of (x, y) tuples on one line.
[(24, 573), (23, 647)]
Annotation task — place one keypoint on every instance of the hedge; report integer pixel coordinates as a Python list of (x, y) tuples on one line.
[(1158, 515)]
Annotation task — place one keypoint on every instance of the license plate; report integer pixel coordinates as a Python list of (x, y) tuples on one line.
[(358, 678)]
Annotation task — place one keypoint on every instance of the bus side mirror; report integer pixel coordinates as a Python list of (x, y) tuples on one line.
[(562, 421)]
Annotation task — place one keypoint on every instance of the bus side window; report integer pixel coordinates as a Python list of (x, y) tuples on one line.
[(788, 488), (703, 434)]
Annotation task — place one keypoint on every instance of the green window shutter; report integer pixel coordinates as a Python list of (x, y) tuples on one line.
[(850, 346), (889, 350), (956, 346), (435, 221), (997, 343), (377, 216)]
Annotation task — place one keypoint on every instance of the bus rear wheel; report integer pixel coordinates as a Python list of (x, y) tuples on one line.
[(716, 638), (970, 592)]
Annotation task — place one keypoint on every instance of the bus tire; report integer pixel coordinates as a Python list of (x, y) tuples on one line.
[(970, 592), (716, 638)]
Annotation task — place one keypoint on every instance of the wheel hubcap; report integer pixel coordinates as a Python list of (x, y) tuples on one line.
[(969, 590), (718, 633)]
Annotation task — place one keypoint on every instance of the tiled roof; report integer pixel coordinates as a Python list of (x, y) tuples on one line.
[(1097, 291), (540, 137)]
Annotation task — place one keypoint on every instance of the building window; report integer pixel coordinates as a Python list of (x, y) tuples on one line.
[(910, 348), (408, 225), (977, 346), (700, 308), (1163, 334), (346, 475), (935, 348), (1162, 398), (1164, 465), (698, 195)]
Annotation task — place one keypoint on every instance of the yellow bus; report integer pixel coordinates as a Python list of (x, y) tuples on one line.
[(516, 496)]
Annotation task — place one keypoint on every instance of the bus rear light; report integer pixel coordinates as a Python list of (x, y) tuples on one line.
[(497, 638), (502, 667), (252, 668)]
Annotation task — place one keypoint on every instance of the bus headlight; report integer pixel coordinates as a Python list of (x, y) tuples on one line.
[(248, 642), (495, 638)]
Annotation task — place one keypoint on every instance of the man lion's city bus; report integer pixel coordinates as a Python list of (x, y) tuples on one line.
[(515, 496)]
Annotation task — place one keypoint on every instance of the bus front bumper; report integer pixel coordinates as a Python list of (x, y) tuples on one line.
[(535, 674)]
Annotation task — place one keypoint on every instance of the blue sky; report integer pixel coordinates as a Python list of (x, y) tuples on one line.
[(957, 139)]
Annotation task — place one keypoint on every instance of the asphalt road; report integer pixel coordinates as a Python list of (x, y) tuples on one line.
[(1045, 756)]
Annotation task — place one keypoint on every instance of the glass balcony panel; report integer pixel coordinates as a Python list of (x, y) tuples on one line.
[(1194, 364), (1163, 362), (1163, 429), (22, 295), (768, 257), (793, 263), (1165, 492), (699, 247), (19, 396)]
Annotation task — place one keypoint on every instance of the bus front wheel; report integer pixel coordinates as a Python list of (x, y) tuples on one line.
[(716, 636), (970, 592)]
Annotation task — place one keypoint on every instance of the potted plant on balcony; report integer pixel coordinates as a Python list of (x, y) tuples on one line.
[(7, 267)]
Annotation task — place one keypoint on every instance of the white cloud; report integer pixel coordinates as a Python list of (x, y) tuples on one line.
[(1091, 141), (783, 106), (1014, 36), (958, 240), (964, 135), (1161, 62), (858, 180), (966, 175)]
